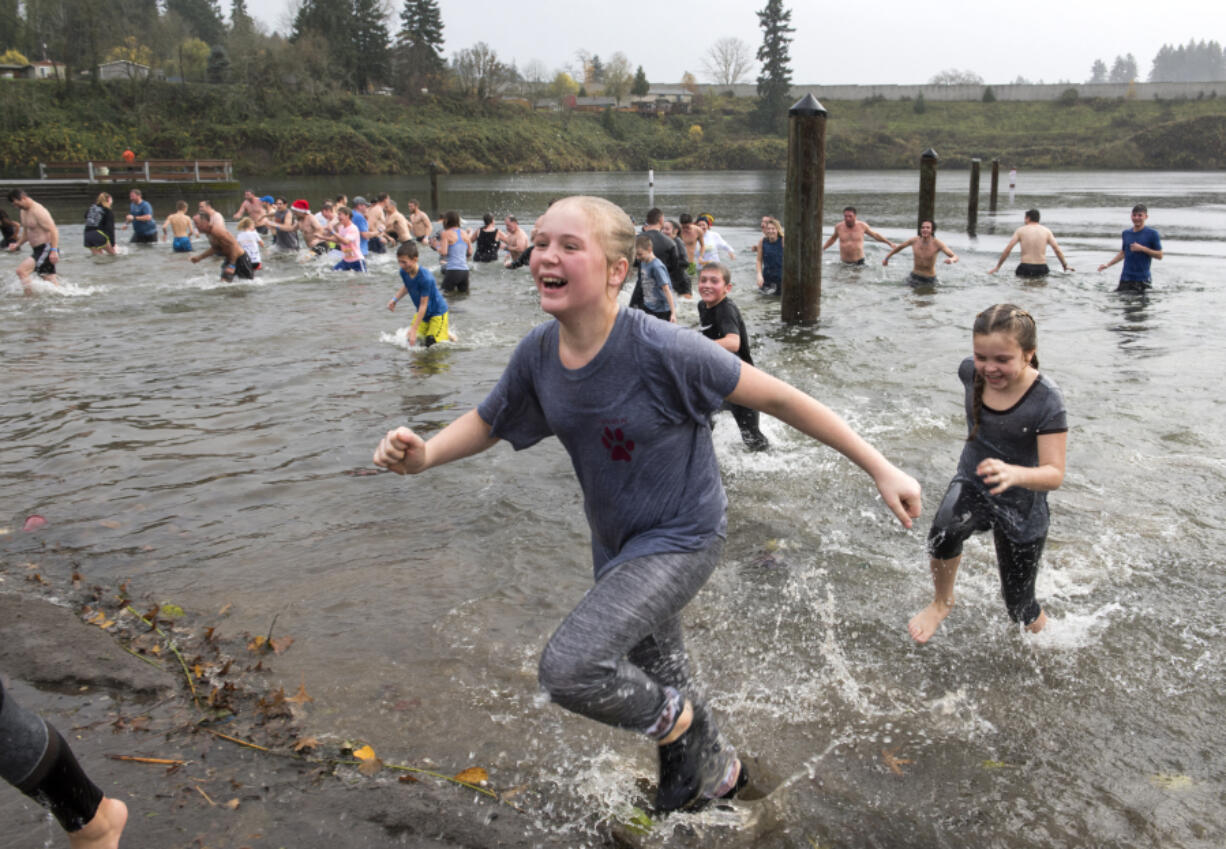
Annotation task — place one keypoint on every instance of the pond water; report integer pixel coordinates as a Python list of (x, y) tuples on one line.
[(201, 440)]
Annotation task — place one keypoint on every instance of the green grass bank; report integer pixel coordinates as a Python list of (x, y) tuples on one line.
[(279, 133)]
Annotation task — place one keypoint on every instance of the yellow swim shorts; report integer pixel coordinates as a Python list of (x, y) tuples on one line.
[(434, 330)]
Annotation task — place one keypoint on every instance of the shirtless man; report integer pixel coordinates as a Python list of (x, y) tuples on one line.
[(39, 230), (924, 248), (396, 226), (419, 222), (251, 206), (1034, 238), (850, 234), (515, 240), (235, 262), (179, 223), (376, 222), (206, 208)]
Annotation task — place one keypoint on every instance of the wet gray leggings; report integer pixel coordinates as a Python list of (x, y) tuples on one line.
[(35, 759), (619, 657)]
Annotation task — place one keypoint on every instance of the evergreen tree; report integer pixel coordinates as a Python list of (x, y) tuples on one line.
[(775, 78), (1124, 70), (240, 19), (1098, 71), (333, 23), (597, 70), (640, 86), (10, 25), (219, 64), (1191, 63), (370, 42), (419, 46), (202, 18)]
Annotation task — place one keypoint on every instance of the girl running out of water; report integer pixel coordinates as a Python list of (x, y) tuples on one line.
[(1012, 458), (630, 398)]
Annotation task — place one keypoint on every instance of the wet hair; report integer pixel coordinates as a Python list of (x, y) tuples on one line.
[(102, 198), (413, 201), (1032, 215), (344, 210), (927, 221), (181, 206), (850, 209), (642, 242), (723, 270), (245, 223), (136, 192), (451, 218), (382, 196), (488, 218), (685, 218), (408, 249), (512, 218), (778, 225), (654, 215), (17, 194), (610, 225), (281, 200), (1018, 325), (1140, 207), (326, 205), (340, 200)]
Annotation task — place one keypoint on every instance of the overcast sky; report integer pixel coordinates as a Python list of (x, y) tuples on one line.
[(883, 42)]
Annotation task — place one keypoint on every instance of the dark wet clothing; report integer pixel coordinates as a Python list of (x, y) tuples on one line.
[(1032, 269)]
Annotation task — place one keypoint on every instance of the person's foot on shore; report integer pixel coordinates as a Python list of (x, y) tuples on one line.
[(1037, 625), (925, 623), (104, 830)]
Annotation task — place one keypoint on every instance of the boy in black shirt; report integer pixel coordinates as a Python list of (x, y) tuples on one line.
[(720, 321)]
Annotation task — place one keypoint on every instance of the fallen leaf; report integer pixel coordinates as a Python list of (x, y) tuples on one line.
[(473, 775), (77, 579), (198, 670), (894, 763), (232, 804), (513, 792), (172, 611), (38, 579), (302, 696), (33, 522), (370, 762), (306, 743), (225, 608), (256, 644), (407, 779), (1169, 781), (110, 523), (280, 644), (366, 753)]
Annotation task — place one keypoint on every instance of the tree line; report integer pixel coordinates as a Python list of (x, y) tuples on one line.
[(1195, 62)]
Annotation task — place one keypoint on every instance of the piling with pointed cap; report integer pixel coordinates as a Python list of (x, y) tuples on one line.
[(995, 184), (972, 203), (801, 295), (927, 188)]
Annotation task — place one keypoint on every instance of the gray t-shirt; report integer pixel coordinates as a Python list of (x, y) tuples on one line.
[(635, 421), (1012, 436)]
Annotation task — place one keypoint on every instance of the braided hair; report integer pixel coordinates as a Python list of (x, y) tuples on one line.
[(1017, 323)]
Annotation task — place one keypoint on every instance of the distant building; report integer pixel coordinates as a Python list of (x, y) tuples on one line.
[(590, 104), (663, 100), (47, 70), (122, 69), (13, 72)]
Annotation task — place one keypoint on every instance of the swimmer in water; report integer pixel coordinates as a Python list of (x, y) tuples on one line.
[(850, 233), (924, 249), (39, 231), (179, 223), (1034, 238)]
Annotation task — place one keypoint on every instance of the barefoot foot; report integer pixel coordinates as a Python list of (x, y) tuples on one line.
[(925, 623), (682, 724), (103, 831), (1037, 625)]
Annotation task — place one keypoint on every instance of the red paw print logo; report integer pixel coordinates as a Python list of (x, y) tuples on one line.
[(619, 447)]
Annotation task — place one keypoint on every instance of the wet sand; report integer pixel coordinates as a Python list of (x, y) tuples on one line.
[(108, 703)]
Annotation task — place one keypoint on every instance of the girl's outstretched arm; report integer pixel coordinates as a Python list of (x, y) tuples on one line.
[(405, 453), (785, 402)]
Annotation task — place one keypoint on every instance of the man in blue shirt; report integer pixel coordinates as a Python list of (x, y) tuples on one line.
[(359, 220), (1141, 246), (140, 216)]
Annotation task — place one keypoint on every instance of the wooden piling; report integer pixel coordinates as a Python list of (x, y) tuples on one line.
[(995, 185), (435, 208), (972, 203), (801, 295), (927, 189)]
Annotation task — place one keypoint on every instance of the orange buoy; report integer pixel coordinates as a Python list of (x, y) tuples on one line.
[(129, 156)]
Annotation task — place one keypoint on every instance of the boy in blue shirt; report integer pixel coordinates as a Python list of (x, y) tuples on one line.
[(657, 293), (422, 290), (1141, 246)]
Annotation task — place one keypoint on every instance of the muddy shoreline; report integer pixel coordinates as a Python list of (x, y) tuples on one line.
[(97, 662)]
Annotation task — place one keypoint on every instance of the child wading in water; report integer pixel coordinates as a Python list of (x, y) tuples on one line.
[(1012, 458), (630, 398)]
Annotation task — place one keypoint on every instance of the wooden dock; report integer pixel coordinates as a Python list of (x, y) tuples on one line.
[(64, 179)]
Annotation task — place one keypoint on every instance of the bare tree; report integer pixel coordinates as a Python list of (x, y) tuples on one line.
[(478, 73), (953, 76), (618, 77), (728, 61)]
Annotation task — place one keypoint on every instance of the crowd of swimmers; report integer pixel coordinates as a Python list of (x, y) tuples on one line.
[(632, 397)]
